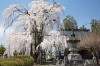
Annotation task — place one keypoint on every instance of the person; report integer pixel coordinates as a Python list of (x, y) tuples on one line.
[(44, 55), (39, 59), (48, 55), (54, 53), (66, 56), (58, 55)]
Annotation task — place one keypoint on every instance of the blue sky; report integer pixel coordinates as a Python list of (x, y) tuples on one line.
[(82, 10)]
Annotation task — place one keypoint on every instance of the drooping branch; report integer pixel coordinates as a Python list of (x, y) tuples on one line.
[(11, 22), (12, 13)]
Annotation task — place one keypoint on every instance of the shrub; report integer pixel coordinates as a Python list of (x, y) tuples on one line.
[(11, 62), (19, 61), (28, 60)]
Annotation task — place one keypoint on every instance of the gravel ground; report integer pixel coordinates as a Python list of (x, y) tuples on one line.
[(46, 65)]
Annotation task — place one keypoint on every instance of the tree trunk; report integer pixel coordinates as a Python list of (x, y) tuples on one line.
[(37, 40), (31, 50)]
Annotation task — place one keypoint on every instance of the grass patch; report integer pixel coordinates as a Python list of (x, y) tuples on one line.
[(19, 61)]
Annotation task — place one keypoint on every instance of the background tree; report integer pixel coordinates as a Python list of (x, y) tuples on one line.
[(2, 49), (92, 44), (95, 26), (69, 21), (83, 28)]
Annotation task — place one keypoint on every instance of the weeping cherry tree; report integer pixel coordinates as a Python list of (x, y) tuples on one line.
[(30, 25)]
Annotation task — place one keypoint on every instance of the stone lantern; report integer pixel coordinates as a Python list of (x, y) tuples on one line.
[(74, 57)]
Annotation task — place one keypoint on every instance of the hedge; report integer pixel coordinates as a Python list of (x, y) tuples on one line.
[(28, 60), (19, 61)]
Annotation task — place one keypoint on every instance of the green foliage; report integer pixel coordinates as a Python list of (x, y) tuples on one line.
[(95, 26), (11, 62), (19, 61), (28, 60), (70, 22), (2, 49)]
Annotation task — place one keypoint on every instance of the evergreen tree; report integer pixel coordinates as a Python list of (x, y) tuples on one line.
[(70, 22), (2, 49), (95, 26)]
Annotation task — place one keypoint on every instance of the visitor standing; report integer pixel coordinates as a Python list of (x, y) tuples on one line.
[(66, 56), (58, 56), (54, 53), (39, 55)]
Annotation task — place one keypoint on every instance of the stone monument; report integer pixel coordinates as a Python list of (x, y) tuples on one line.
[(74, 57)]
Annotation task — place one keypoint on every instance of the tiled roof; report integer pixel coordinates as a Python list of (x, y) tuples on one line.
[(79, 34)]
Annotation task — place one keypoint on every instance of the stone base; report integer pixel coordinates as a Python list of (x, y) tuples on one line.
[(75, 59)]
